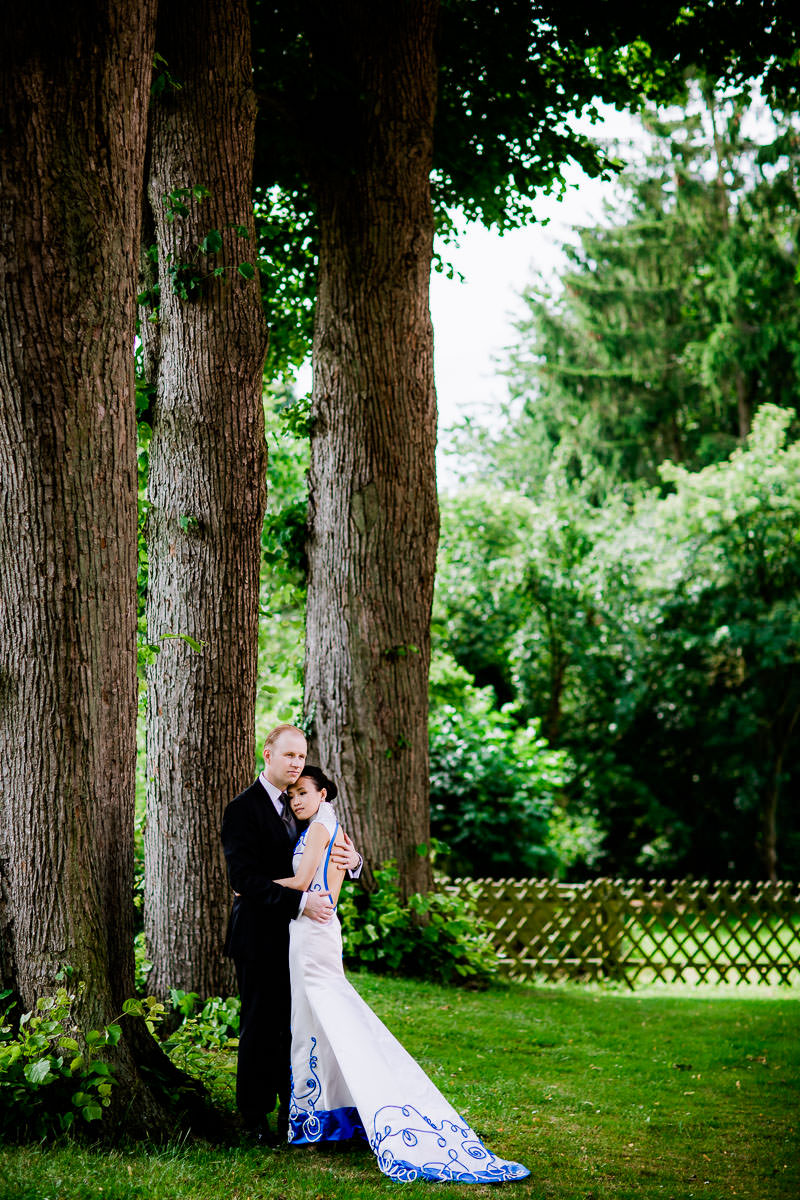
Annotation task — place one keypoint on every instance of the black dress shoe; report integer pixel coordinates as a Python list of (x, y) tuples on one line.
[(265, 1137), (259, 1135)]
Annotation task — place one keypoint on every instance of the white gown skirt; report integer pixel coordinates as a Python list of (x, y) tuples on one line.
[(352, 1078)]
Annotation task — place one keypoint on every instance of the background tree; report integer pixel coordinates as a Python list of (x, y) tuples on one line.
[(674, 621), (372, 477), (601, 610), (74, 82), (203, 361), (496, 786)]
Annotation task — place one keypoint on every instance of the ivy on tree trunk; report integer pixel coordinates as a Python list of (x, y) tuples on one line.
[(206, 489), (373, 523)]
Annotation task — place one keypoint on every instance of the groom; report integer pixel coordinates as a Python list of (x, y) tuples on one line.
[(258, 836)]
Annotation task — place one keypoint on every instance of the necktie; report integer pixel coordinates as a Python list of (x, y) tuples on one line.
[(287, 815)]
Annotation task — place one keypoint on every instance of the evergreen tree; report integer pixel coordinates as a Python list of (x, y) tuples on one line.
[(675, 322)]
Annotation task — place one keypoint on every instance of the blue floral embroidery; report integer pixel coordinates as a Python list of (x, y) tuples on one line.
[(461, 1156), (313, 1084)]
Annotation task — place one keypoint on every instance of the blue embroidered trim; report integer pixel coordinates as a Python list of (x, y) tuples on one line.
[(329, 1125), (300, 845), (328, 859), (313, 1084)]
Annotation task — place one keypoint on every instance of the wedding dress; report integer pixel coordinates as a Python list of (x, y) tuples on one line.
[(352, 1078)]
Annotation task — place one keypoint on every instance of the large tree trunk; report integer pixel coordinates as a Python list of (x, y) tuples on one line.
[(206, 490), (373, 524), (74, 98)]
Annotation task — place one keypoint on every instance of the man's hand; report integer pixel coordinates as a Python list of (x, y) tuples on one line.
[(346, 856), (318, 907)]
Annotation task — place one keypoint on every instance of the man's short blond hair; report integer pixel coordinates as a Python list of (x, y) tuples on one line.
[(274, 734)]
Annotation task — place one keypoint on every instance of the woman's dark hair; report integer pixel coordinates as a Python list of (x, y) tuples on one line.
[(320, 779)]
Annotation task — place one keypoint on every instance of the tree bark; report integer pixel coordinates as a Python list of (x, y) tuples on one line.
[(373, 522), (74, 93), (206, 490)]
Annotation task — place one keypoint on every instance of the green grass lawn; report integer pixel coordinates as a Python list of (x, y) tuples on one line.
[(603, 1094)]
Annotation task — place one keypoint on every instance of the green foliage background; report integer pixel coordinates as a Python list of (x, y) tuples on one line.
[(615, 627)]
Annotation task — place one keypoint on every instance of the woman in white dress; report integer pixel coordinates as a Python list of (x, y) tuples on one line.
[(350, 1076)]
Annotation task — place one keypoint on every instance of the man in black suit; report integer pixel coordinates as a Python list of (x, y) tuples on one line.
[(258, 836)]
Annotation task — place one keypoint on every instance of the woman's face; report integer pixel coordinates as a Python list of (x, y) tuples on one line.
[(305, 798)]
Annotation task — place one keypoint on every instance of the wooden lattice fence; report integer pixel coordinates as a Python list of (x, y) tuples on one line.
[(640, 931)]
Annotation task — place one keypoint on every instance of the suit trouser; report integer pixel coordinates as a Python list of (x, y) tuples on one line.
[(262, 1072)]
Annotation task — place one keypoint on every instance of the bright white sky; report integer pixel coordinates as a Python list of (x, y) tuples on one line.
[(473, 317)]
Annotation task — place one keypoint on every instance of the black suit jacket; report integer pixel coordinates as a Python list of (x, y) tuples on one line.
[(258, 850)]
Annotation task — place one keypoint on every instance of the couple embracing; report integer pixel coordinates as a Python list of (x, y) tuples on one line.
[(350, 1078)]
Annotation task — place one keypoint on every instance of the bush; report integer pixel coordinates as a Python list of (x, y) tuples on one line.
[(438, 936), (200, 1043), (51, 1072), (495, 784)]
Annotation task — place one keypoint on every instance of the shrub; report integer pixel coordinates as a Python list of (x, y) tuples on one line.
[(496, 785), (200, 1042), (438, 936), (51, 1071)]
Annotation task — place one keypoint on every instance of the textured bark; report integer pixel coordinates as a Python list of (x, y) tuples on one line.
[(373, 524), (74, 100), (206, 491)]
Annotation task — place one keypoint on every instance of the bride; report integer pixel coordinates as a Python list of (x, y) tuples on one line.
[(350, 1076)]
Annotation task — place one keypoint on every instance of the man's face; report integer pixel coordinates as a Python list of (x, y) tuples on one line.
[(285, 758)]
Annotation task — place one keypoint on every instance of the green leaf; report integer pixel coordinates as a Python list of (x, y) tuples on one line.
[(38, 1072), (184, 637), (241, 231), (212, 242), (113, 1034), (247, 270), (133, 1008), (91, 1112)]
